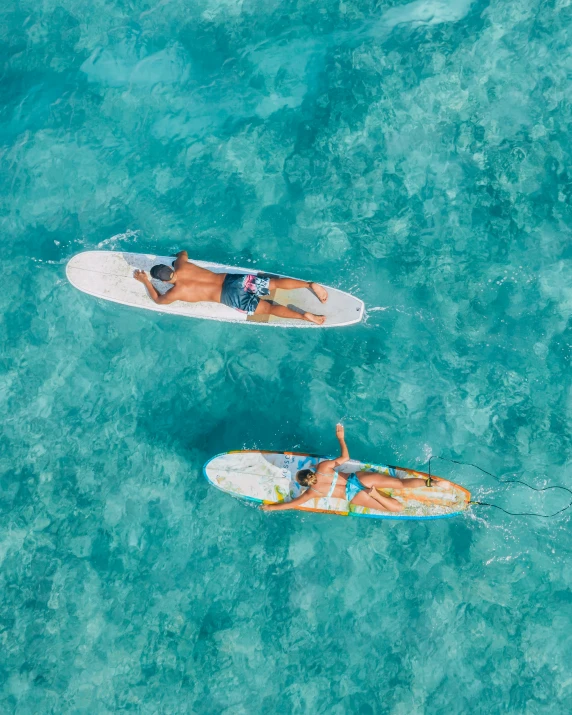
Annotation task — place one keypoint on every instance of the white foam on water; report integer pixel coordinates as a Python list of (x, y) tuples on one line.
[(129, 235), (426, 12)]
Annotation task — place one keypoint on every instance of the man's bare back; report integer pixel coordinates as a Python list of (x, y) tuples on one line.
[(193, 284)]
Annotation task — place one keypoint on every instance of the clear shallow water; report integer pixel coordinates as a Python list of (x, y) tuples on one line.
[(415, 154)]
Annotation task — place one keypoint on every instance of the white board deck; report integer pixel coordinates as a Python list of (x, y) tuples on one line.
[(109, 275), (266, 477)]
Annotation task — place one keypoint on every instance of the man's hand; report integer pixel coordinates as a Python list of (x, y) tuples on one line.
[(266, 507), (340, 434), (169, 297)]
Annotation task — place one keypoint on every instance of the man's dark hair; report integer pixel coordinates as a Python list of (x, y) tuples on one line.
[(162, 273)]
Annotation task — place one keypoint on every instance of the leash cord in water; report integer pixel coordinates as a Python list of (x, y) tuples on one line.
[(507, 481)]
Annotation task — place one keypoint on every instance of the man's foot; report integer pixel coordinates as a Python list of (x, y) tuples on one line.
[(311, 318), (320, 291)]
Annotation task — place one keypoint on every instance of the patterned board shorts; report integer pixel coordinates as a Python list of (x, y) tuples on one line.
[(242, 292)]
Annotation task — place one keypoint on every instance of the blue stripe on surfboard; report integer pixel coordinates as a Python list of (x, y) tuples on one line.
[(406, 517)]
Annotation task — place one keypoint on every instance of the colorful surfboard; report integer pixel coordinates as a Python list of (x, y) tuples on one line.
[(266, 477)]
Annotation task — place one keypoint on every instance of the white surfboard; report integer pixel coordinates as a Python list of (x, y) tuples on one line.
[(109, 275)]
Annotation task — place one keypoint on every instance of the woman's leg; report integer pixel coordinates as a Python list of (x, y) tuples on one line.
[(372, 479), (372, 499)]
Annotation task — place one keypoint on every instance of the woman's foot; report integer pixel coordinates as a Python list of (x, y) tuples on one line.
[(317, 319), (386, 502), (441, 483), (374, 494), (320, 291)]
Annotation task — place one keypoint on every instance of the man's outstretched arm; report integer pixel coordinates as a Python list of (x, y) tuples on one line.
[(155, 296)]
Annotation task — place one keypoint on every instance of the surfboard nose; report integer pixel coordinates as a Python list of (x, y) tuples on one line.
[(214, 466), (71, 266)]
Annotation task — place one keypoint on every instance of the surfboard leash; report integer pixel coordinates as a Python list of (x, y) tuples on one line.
[(507, 481)]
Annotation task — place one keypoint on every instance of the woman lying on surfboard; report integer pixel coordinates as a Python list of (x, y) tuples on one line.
[(239, 291), (359, 489)]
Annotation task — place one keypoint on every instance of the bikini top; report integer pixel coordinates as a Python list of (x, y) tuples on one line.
[(332, 485)]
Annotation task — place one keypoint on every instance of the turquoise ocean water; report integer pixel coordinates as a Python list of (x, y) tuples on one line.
[(416, 154)]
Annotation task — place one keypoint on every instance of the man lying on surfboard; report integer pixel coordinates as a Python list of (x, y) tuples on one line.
[(359, 489), (239, 291)]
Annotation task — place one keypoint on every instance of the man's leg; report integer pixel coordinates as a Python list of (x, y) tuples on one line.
[(294, 284), (281, 311)]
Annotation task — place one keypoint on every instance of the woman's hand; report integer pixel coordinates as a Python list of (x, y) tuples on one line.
[(282, 505), (340, 434)]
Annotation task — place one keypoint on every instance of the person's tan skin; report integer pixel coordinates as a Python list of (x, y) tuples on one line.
[(193, 284), (370, 498)]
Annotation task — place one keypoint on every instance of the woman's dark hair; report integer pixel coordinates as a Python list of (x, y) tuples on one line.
[(306, 477)]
